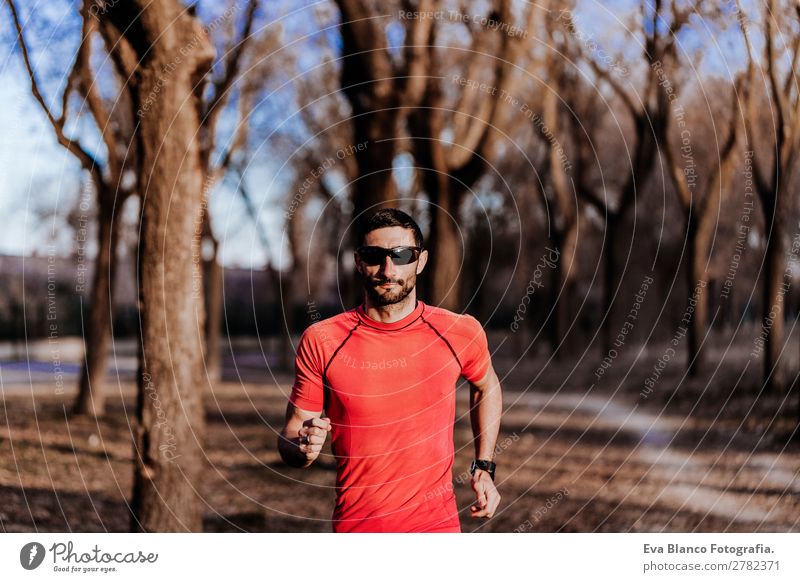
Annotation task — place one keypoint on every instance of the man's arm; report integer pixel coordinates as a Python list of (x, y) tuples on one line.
[(486, 409), (302, 437)]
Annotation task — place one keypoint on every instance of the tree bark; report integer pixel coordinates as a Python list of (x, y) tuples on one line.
[(91, 387), (368, 82), (213, 278), (446, 257), (213, 274), (695, 273), (174, 53), (554, 318), (609, 278), (374, 188), (772, 306)]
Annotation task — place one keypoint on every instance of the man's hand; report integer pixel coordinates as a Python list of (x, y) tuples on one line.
[(488, 497), (302, 437), (312, 435)]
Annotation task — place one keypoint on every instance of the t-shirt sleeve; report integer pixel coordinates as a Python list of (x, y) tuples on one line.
[(475, 358), (307, 391)]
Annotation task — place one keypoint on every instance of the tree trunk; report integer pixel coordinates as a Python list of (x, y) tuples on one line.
[(445, 193), (213, 282), (168, 457), (772, 308), (374, 187), (564, 269), (477, 272), (368, 82), (445, 253), (213, 277), (287, 353), (91, 386), (557, 305), (695, 272), (609, 278), (287, 289)]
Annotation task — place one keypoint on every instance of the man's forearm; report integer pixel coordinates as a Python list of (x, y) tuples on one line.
[(486, 410)]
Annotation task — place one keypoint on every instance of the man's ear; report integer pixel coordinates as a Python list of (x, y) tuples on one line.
[(422, 261)]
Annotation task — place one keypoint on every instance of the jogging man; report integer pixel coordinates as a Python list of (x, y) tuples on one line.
[(385, 375)]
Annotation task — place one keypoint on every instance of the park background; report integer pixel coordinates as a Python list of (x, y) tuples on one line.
[(608, 187)]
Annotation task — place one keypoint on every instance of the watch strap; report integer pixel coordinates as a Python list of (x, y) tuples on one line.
[(483, 465)]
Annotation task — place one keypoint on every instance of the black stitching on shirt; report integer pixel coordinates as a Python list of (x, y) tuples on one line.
[(444, 339), (326, 397)]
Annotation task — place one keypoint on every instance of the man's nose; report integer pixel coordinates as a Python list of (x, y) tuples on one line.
[(388, 268)]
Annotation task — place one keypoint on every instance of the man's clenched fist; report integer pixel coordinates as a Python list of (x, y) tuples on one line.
[(312, 436)]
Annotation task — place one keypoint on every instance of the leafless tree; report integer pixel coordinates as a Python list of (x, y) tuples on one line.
[(477, 122), (553, 125), (773, 166), (212, 105), (170, 56), (648, 111), (381, 91), (700, 192), (113, 184)]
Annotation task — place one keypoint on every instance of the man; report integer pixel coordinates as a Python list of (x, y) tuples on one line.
[(385, 374)]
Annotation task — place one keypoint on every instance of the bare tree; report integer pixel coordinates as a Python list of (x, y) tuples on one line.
[(115, 180), (649, 116), (211, 107), (381, 91), (449, 171), (563, 208), (773, 166), (172, 55), (700, 198), (112, 187)]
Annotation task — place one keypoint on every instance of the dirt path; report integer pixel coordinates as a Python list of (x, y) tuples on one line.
[(620, 455)]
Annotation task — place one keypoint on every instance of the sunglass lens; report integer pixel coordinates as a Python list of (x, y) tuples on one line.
[(372, 255), (403, 256)]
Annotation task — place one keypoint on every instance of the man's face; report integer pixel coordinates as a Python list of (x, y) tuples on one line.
[(388, 283)]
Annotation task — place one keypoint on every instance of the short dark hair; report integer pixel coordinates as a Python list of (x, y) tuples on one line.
[(388, 217)]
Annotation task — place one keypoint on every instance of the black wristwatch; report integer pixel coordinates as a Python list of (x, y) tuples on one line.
[(483, 465)]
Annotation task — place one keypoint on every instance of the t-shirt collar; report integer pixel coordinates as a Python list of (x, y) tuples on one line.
[(399, 324)]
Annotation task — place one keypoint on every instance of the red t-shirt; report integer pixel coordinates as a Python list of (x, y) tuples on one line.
[(391, 397)]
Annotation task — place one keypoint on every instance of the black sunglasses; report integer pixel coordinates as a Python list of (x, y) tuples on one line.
[(400, 255)]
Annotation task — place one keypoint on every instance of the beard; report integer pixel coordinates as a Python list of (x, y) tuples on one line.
[(388, 296)]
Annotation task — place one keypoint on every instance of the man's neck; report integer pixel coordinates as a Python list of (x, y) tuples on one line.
[(391, 313)]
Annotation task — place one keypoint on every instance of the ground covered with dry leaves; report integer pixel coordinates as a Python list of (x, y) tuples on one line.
[(712, 454)]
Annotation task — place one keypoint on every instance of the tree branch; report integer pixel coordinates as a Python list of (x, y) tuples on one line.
[(418, 55), (122, 53), (86, 159), (469, 157), (223, 84), (89, 89), (782, 109), (615, 86), (367, 75), (762, 187), (723, 163), (238, 141)]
